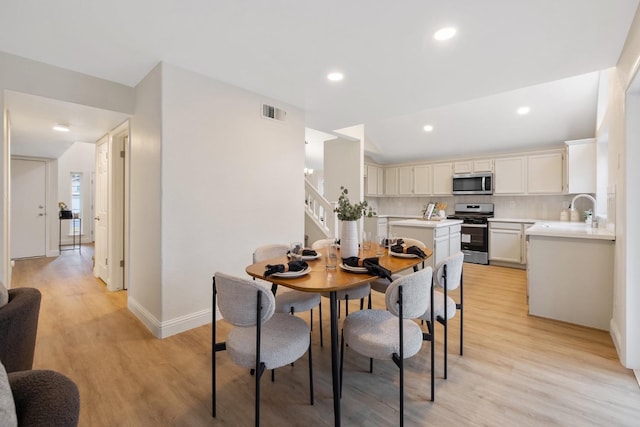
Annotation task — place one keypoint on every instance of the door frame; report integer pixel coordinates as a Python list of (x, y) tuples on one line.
[(117, 206)]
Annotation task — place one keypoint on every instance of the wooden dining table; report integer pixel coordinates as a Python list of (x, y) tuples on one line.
[(319, 279)]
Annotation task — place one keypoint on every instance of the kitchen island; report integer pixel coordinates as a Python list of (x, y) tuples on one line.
[(442, 237), (570, 272)]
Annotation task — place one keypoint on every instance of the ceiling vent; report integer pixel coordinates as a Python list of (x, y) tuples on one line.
[(273, 113)]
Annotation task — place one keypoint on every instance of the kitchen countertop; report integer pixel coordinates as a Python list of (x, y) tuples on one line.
[(526, 220), (578, 230), (405, 216), (425, 223)]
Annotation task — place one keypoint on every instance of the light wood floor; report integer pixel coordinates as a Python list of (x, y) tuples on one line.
[(516, 369)]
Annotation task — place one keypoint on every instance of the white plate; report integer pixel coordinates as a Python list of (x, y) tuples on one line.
[(308, 257), (403, 255), (291, 274), (353, 269)]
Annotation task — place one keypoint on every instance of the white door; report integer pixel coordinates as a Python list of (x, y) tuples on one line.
[(28, 224), (101, 225)]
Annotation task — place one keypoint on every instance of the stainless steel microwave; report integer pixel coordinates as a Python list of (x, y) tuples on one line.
[(473, 183)]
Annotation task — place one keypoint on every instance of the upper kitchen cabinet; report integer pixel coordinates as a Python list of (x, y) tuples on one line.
[(545, 173), (442, 174), (422, 180), (375, 180), (510, 175), (405, 180), (581, 166), (391, 181), (473, 166)]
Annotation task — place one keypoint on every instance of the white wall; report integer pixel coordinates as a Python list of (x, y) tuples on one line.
[(623, 176), (24, 75), (80, 157), (230, 182), (145, 261)]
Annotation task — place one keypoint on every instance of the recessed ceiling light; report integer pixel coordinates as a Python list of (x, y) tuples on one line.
[(61, 128), (523, 110), (335, 77), (444, 33), (428, 128)]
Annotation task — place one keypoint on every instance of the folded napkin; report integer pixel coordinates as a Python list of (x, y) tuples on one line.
[(309, 252), (415, 250), (283, 268), (371, 264)]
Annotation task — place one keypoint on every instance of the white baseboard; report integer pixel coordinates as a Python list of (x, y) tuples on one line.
[(147, 319), (171, 327), (614, 331)]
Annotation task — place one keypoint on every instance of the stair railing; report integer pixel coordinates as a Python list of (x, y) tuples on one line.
[(320, 210)]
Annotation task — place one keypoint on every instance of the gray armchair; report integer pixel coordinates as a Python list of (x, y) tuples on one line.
[(45, 398), (18, 327)]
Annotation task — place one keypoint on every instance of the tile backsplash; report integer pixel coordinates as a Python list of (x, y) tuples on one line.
[(525, 207)]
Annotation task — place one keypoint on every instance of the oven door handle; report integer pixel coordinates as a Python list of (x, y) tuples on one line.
[(474, 225)]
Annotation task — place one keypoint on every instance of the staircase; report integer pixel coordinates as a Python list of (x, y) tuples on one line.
[(319, 212)]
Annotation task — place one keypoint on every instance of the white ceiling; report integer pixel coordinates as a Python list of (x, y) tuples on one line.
[(33, 117), (397, 77)]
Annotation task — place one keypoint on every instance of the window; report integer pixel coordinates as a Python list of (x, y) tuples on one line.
[(76, 202)]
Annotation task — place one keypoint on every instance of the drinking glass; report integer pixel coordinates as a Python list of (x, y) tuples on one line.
[(380, 242), (331, 258), (295, 251), (366, 240)]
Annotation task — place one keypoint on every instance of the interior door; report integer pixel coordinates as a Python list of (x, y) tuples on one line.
[(28, 196), (101, 225)]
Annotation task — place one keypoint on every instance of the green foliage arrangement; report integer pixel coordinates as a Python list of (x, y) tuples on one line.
[(351, 212)]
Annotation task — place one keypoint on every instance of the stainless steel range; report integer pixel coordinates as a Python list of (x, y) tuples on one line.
[(474, 230)]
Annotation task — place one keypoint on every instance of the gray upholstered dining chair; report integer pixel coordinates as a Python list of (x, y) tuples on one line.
[(289, 300), (448, 276), (356, 293), (391, 334), (381, 285), (260, 338)]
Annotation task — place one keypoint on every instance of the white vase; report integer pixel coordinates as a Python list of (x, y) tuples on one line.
[(349, 239)]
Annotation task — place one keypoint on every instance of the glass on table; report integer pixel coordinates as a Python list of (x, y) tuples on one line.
[(366, 240), (380, 244), (331, 256)]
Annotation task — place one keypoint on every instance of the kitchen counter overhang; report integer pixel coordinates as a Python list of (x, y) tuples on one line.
[(426, 223), (576, 230)]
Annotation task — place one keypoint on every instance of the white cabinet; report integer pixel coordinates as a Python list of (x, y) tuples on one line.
[(463, 166), (581, 166), (483, 165), (391, 181), (545, 173), (473, 166), (570, 279), (405, 180), (441, 247), (374, 180), (443, 240), (507, 243), (442, 173), (510, 173), (422, 180)]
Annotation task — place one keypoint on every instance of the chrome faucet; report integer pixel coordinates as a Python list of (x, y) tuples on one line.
[(593, 200)]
